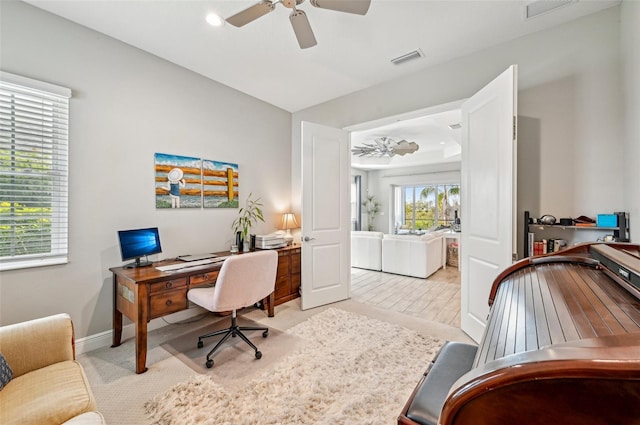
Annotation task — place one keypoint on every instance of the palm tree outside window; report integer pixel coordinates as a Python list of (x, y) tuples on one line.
[(425, 207)]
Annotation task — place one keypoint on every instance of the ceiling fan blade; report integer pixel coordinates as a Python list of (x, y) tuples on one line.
[(358, 7), (403, 147), (302, 29), (251, 13)]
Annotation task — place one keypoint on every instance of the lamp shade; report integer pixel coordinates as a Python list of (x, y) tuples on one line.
[(288, 221)]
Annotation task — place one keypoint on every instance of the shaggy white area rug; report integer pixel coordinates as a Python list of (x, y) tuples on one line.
[(350, 369)]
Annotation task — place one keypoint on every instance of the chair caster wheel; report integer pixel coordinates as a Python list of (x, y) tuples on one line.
[(258, 355), (265, 333), (200, 344), (209, 364)]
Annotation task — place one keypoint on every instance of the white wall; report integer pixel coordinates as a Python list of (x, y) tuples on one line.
[(126, 106), (569, 99), (630, 54)]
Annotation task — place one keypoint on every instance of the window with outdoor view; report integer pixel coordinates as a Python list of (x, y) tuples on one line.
[(34, 132), (425, 207)]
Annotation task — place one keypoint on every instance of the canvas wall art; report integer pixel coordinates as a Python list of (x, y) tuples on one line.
[(178, 181), (188, 182), (219, 184)]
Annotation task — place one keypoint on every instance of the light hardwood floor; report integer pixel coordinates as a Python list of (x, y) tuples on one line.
[(436, 298)]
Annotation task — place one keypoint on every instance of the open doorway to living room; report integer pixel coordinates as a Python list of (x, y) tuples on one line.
[(421, 277)]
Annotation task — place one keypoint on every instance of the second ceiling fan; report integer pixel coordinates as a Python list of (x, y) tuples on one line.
[(298, 18)]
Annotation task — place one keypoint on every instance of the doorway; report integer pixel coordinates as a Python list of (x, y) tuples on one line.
[(437, 161)]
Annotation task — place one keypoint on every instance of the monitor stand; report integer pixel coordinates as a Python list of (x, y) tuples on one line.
[(138, 263)]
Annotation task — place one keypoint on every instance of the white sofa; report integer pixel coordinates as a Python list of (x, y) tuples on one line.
[(366, 250), (412, 255)]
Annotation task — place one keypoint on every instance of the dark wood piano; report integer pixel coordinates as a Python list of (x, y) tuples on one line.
[(561, 346)]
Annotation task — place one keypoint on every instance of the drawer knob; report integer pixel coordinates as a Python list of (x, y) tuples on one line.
[(206, 276), (169, 302), (169, 284)]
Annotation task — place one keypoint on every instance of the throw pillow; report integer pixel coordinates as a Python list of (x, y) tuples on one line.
[(6, 374)]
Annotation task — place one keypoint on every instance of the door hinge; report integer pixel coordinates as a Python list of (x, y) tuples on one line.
[(514, 127)]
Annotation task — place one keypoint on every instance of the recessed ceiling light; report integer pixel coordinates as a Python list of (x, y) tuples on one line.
[(214, 20), (442, 143)]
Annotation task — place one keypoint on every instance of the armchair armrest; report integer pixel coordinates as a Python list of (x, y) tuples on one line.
[(37, 343)]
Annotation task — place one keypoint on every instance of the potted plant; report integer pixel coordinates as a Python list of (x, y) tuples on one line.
[(248, 215), (371, 207)]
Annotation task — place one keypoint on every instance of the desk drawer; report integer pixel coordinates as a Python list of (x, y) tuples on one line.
[(283, 265), (167, 302), (200, 279), (282, 287), (167, 285)]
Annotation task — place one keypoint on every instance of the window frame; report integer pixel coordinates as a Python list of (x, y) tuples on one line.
[(51, 144), (400, 202)]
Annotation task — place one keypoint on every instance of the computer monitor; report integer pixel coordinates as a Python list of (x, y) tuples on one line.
[(138, 243)]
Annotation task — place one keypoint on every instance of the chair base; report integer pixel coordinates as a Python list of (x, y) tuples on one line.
[(233, 331)]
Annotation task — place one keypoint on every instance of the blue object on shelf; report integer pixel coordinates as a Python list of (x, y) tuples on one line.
[(607, 220)]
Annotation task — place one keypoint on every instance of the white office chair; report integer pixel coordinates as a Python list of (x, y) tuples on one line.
[(243, 280)]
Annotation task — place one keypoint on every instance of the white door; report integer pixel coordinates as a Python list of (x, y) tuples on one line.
[(488, 195), (326, 273)]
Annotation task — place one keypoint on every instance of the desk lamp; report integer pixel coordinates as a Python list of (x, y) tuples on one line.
[(288, 222)]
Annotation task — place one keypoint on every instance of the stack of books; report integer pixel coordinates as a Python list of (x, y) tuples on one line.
[(545, 246), (270, 242)]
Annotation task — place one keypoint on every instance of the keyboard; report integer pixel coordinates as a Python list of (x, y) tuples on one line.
[(196, 257), (189, 264)]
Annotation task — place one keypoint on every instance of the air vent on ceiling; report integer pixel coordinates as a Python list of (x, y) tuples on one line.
[(540, 7), (416, 54)]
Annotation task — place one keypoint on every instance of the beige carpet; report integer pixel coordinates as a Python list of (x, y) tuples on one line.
[(348, 369), (121, 394), (234, 361)]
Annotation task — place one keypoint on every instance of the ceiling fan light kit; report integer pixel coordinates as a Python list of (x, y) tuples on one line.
[(298, 18)]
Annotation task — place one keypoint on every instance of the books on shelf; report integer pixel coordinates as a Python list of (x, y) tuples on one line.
[(545, 246)]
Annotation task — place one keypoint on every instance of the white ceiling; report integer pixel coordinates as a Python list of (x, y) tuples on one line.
[(437, 142), (263, 59), (354, 52)]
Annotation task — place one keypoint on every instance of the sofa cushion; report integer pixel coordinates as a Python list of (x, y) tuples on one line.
[(367, 233), (89, 418), (50, 395), (6, 374)]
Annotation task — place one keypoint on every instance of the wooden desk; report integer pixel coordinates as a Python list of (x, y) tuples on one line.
[(146, 293)]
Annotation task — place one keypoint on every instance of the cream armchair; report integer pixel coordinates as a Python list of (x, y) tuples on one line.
[(48, 385), (366, 250), (411, 255)]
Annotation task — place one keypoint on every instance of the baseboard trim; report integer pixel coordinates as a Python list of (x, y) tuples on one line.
[(105, 339)]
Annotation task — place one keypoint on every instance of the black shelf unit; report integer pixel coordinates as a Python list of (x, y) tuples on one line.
[(620, 232)]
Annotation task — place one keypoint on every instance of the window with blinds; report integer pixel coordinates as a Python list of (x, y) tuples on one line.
[(34, 139)]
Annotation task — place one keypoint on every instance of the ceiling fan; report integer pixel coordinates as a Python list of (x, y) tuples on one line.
[(385, 146), (298, 18)]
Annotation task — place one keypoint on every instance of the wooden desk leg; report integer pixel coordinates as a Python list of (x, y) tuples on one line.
[(142, 319), (141, 346), (117, 316), (270, 305)]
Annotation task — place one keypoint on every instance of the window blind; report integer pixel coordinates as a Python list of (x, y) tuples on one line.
[(34, 141)]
